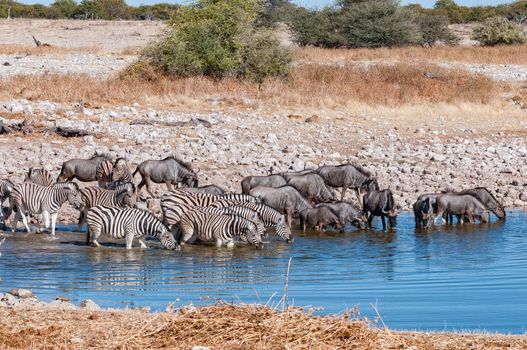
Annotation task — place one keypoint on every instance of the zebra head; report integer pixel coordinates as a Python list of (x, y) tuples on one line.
[(74, 195), (166, 238), (253, 235), (282, 230)]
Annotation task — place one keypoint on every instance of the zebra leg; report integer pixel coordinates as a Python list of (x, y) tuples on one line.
[(230, 244), (142, 244), (94, 233), (15, 220), (53, 222), (24, 220), (45, 219), (218, 242), (129, 240), (383, 223)]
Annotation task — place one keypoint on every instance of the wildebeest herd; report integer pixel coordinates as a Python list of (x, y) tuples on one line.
[(191, 213)]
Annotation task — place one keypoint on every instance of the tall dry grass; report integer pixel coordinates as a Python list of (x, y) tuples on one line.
[(506, 54), (311, 85)]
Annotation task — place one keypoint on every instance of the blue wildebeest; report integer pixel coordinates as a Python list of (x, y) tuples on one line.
[(348, 176), (424, 209), (318, 218), (380, 203), (347, 213), (311, 186), (170, 171), (488, 200), (461, 205), (285, 199), (81, 169), (251, 182)]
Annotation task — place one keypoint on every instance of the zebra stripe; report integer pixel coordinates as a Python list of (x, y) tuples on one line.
[(6, 187), (40, 177), (93, 196), (121, 172), (30, 198), (272, 218), (127, 223), (243, 212), (103, 173), (209, 227), (201, 199)]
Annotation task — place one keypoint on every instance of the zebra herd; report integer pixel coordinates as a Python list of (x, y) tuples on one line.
[(207, 214)]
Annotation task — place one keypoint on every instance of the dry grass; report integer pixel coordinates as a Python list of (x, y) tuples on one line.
[(8, 49), (221, 326), (509, 54), (317, 86)]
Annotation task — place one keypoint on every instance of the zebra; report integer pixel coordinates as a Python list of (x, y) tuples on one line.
[(6, 187), (171, 203), (121, 172), (103, 173), (271, 218), (209, 227), (127, 223), (40, 177), (30, 198), (93, 196), (202, 199)]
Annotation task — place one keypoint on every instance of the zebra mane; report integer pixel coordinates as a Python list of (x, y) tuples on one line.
[(118, 159)]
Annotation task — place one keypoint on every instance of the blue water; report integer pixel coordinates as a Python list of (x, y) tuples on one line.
[(460, 277)]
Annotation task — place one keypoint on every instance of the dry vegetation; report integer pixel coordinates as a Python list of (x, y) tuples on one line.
[(511, 54), (317, 86), (12, 49), (221, 326)]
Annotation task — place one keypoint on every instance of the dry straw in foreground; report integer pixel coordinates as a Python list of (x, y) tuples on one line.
[(221, 326), (312, 85)]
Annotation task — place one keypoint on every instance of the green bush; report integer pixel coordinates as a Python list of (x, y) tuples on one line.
[(498, 30), (65, 8), (434, 29), (378, 23), (218, 39), (317, 28)]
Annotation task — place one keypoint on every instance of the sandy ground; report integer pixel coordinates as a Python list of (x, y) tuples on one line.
[(104, 36)]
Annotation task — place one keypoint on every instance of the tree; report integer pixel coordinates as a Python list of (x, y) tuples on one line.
[(65, 8), (499, 30), (217, 39), (377, 23)]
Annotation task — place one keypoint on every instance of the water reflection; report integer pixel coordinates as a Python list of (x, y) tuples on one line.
[(464, 276)]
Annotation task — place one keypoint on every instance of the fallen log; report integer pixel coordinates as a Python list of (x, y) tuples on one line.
[(71, 132)]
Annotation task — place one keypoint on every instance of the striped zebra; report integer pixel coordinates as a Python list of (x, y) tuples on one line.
[(93, 196), (40, 177), (30, 198), (121, 172), (103, 173), (6, 187), (174, 202), (209, 227), (127, 223), (202, 199), (272, 218)]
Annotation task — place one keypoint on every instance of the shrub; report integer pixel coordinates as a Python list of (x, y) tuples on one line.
[(218, 39), (378, 23), (316, 28), (498, 30), (434, 29)]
